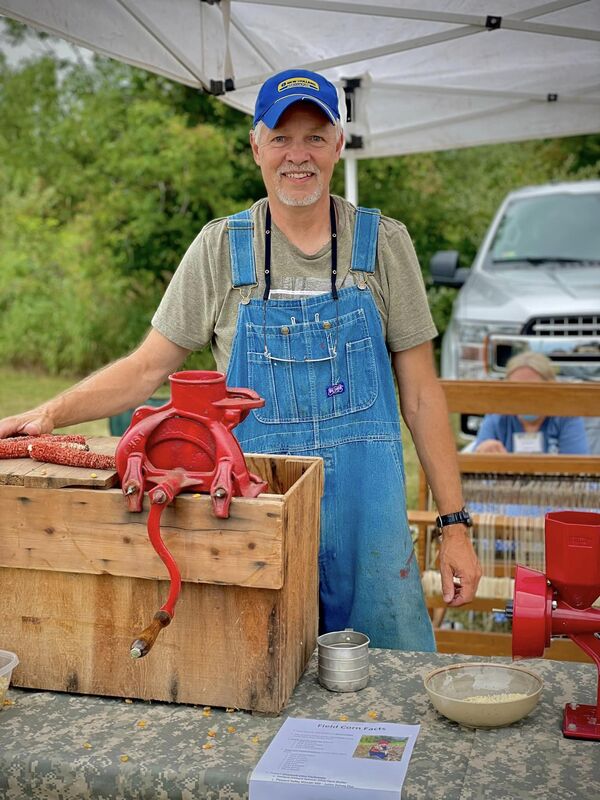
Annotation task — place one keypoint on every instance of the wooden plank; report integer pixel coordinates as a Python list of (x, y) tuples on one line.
[(83, 530), (279, 472), (502, 522), (27, 472), (513, 397), (58, 476), (298, 602), (72, 633), (478, 643), (296, 467), (477, 604), (530, 464), (105, 445), (13, 470)]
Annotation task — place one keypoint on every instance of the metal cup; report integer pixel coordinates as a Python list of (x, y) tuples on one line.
[(343, 658)]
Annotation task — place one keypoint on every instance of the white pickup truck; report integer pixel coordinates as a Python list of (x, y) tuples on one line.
[(534, 284)]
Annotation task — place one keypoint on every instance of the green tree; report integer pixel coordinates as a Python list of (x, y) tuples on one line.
[(105, 186)]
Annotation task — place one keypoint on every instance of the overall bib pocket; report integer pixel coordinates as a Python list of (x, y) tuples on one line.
[(313, 371)]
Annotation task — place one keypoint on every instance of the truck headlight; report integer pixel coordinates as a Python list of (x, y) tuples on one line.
[(470, 344)]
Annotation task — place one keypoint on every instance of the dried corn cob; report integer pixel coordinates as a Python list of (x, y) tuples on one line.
[(64, 454), (17, 446)]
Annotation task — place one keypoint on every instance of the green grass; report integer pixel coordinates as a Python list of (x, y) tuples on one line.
[(22, 390), (411, 467)]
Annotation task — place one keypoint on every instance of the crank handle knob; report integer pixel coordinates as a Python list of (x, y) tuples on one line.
[(142, 645)]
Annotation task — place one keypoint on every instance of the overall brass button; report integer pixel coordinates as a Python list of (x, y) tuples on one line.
[(285, 330), (327, 325)]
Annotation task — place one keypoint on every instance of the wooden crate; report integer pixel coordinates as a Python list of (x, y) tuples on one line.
[(79, 579)]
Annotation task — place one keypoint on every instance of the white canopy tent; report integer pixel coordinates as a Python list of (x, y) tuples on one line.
[(417, 76)]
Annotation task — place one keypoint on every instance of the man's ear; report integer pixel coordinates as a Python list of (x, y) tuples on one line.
[(254, 147), (339, 147)]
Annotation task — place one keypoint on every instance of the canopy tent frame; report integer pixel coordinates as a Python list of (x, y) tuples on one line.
[(428, 81)]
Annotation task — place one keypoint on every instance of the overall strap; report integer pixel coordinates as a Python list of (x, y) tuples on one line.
[(364, 245), (240, 228)]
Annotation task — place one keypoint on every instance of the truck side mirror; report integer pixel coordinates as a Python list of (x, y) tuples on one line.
[(445, 270)]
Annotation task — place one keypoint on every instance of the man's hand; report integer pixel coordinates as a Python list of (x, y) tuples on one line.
[(458, 561), (31, 423), (490, 446)]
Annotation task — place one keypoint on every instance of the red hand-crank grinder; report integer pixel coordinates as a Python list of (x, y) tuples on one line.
[(186, 444), (559, 604)]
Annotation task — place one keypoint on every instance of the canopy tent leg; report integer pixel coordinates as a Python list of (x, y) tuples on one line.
[(351, 179)]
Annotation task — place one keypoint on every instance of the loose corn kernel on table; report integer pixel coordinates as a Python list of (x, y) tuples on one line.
[(73, 747)]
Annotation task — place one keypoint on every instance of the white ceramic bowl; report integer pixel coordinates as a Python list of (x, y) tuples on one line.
[(500, 693)]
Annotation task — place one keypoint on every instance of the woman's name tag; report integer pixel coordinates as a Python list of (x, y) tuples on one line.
[(528, 442)]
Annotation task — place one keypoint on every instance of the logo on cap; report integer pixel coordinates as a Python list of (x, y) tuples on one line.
[(298, 83)]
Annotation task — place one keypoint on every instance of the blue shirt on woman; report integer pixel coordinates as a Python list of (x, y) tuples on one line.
[(560, 434)]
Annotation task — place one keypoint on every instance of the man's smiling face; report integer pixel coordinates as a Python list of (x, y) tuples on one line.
[(298, 156)]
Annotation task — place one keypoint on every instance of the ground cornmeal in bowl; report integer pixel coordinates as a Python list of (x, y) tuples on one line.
[(504, 697)]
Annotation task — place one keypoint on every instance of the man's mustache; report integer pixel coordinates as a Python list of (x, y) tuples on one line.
[(289, 168)]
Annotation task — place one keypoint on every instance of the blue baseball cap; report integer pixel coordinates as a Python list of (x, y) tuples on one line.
[(289, 87)]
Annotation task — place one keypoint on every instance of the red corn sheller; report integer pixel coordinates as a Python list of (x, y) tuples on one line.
[(187, 444), (559, 603)]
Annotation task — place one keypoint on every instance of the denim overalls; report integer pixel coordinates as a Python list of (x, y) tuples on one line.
[(326, 377)]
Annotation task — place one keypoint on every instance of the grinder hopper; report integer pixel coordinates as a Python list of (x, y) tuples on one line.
[(559, 604)]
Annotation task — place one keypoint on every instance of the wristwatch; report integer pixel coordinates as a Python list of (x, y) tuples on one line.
[(451, 519)]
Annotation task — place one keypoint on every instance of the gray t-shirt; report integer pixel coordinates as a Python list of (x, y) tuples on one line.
[(200, 305)]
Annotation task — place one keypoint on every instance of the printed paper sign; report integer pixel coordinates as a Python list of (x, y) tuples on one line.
[(311, 759)]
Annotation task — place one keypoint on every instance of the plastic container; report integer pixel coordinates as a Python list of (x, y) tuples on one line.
[(8, 661), (343, 660)]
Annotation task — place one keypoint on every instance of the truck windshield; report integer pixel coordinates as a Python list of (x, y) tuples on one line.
[(562, 228)]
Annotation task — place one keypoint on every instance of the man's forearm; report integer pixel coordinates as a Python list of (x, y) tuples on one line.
[(109, 391), (434, 443), (425, 412)]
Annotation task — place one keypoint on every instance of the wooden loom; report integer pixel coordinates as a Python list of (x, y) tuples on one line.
[(508, 481)]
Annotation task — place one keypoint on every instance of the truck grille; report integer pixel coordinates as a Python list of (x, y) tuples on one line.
[(584, 325)]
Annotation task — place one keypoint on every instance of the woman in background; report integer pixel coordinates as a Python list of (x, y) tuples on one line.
[(530, 433)]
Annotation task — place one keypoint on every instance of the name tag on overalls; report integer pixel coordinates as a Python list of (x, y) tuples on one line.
[(528, 442)]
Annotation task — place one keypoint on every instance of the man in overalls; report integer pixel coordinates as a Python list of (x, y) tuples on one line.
[(311, 302)]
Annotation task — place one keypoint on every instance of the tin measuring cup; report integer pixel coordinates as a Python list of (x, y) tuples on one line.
[(343, 660)]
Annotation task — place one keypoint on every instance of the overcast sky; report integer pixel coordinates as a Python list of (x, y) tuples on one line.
[(33, 46)]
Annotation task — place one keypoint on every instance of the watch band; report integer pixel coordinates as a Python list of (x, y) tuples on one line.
[(462, 516)]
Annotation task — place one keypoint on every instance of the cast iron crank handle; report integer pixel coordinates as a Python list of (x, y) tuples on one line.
[(141, 646)]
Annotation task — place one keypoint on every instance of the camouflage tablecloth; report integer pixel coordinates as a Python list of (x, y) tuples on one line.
[(68, 747)]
